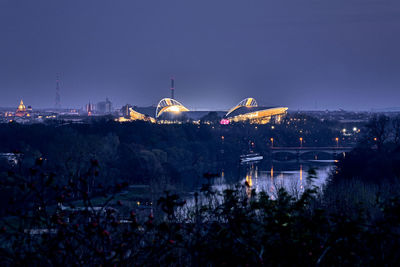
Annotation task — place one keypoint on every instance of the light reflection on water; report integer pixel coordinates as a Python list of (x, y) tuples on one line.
[(270, 176), (267, 177)]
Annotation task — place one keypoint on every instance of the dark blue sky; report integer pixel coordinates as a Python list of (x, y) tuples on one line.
[(304, 54)]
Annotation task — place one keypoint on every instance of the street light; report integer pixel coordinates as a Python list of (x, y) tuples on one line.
[(272, 141), (301, 141), (337, 141)]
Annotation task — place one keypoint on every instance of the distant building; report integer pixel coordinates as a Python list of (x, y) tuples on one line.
[(170, 110), (104, 107), (133, 115), (248, 110), (90, 109), (125, 111), (21, 110)]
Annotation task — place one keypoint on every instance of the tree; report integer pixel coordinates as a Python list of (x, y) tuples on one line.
[(378, 130), (396, 129)]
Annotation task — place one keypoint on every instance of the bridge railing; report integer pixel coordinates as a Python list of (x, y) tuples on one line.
[(312, 148)]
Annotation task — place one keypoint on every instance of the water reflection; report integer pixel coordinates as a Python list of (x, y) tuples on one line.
[(249, 179), (294, 177), (269, 177), (301, 177), (249, 184)]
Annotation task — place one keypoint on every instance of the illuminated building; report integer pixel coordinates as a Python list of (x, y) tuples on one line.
[(125, 111), (133, 115), (170, 107), (248, 110), (21, 110), (170, 111)]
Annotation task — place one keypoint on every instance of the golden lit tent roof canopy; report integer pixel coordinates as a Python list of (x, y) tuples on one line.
[(134, 115), (248, 110), (247, 102), (169, 105)]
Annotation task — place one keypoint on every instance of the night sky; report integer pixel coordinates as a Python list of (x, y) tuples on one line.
[(304, 54)]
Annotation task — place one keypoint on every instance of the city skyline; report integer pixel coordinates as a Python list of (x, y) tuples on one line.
[(300, 54)]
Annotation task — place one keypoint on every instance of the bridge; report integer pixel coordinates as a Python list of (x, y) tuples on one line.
[(299, 151)]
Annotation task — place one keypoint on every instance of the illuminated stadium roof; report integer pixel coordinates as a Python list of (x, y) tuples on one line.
[(134, 115), (243, 110), (248, 110), (247, 102), (169, 105)]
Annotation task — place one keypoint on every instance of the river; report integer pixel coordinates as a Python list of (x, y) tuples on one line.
[(269, 176)]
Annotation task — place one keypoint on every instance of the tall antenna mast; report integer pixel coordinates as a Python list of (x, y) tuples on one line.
[(58, 98), (172, 87)]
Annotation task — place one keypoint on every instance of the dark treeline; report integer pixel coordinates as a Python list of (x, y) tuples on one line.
[(370, 172), (377, 154), (140, 152)]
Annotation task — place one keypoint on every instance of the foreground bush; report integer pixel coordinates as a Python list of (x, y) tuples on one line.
[(237, 227)]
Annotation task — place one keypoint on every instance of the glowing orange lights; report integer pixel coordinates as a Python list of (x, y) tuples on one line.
[(169, 105)]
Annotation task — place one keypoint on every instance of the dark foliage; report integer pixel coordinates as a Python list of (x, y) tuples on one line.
[(145, 153), (376, 159), (62, 202), (44, 226)]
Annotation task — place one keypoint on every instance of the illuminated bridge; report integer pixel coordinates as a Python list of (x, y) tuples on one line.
[(299, 151), (248, 110)]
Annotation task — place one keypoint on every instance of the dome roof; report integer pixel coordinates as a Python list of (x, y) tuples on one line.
[(21, 106)]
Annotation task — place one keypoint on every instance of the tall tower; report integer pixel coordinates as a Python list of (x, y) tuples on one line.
[(172, 87), (58, 98)]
